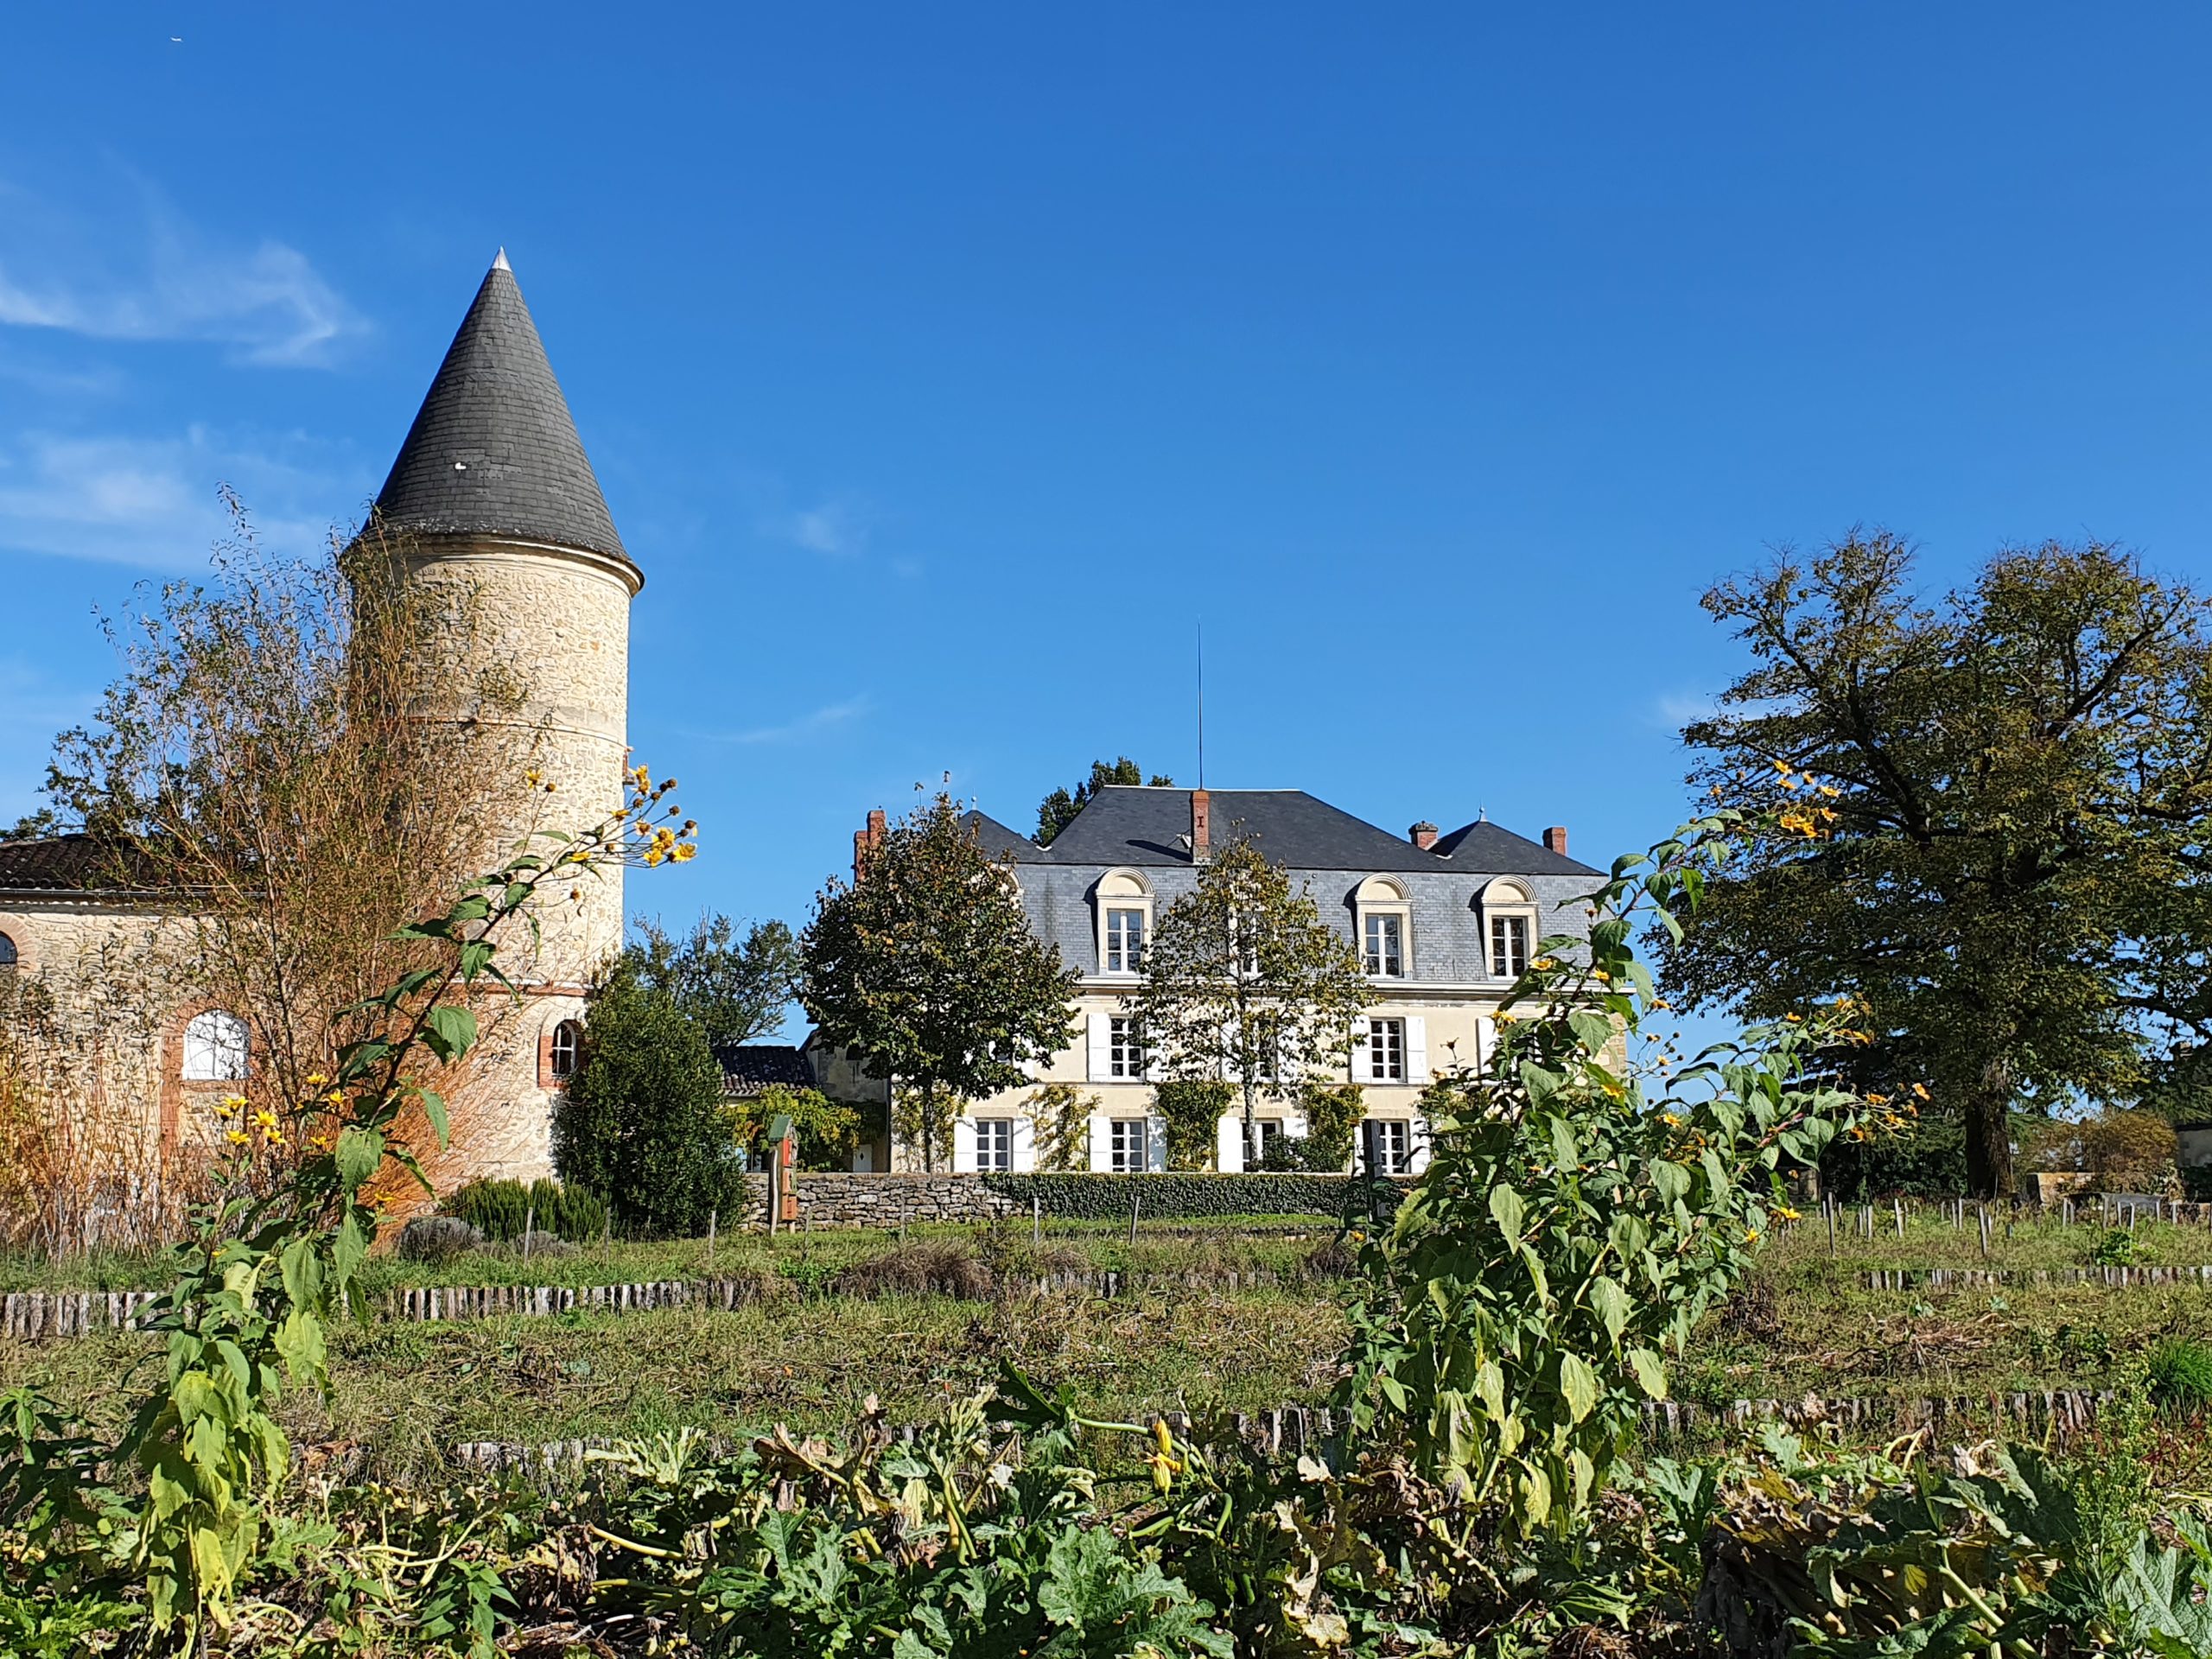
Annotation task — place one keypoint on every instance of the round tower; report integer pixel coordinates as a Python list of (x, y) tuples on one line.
[(493, 515)]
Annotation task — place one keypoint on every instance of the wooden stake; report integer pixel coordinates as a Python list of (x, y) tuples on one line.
[(1036, 1222), (1897, 1206), (1830, 1208), (529, 1226), (1135, 1205), (712, 1216)]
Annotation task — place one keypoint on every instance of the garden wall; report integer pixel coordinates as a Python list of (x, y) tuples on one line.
[(847, 1200)]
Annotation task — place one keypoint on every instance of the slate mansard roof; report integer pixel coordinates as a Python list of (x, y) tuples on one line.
[(493, 451), (1124, 824)]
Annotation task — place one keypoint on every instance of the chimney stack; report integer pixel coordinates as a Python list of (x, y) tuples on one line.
[(1422, 834), (1201, 826), (1555, 839), (867, 840)]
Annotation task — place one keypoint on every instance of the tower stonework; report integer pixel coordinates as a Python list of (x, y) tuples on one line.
[(492, 513)]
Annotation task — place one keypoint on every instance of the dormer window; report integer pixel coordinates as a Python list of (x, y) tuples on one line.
[(1510, 928), (1385, 926), (1124, 901)]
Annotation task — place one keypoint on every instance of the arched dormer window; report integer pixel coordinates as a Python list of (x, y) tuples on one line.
[(214, 1048), (1508, 927), (567, 1045), (1124, 901), (1385, 925), (9, 958)]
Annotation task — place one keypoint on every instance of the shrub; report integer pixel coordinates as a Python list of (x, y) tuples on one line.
[(2179, 1374), (1091, 1195), (499, 1209), (2118, 1246), (1332, 1114), (827, 1129), (437, 1238), (1061, 1114), (1926, 1159), (932, 1267), (1192, 1112), (642, 1121)]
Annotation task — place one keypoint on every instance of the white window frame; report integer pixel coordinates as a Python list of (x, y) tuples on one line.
[(1503, 925), (1380, 959), (1123, 1158), (1119, 954), (1119, 891), (1125, 1056), (994, 1143), (1394, 1145), (574, 1031), (1386, 1042), (217, 1048), (1267, 1132), (1505, 903)]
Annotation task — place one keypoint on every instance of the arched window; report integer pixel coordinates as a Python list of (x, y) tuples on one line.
[(1508, 927), (567, 1039), (1124, 922), (8, 957), (214, 1047), (1385, 919)]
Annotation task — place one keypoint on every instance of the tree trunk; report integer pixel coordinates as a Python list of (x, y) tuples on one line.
[(1988, 1102), (1251, 1127), (928, 1127)]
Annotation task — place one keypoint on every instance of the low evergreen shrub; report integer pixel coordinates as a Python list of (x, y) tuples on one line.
[(1089, 1196), (499, 1209)]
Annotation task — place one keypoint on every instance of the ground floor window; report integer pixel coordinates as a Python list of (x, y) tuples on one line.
[(1130, 1141), (995, 1143), (1266, 1135), (1394, 1147)]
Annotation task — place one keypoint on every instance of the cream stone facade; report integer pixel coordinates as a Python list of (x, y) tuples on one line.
[(499, 519)]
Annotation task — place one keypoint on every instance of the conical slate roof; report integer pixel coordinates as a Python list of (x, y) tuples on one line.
[(492, 450)]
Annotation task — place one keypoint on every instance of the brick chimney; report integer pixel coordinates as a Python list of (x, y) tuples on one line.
[(867, 840), (1201, 826), (1555, 839), (1422, 834)]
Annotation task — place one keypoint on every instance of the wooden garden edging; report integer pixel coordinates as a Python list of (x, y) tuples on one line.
[(1955, 1278)]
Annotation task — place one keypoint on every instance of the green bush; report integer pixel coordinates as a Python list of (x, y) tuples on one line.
[(498, 1209), (2179, 1376), (643, 1121), (1192, 1112), (1332, 1114), (1927, 1159), (1093, 1196)]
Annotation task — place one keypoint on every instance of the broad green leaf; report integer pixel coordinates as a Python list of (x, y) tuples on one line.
[(357, 1153), (347, 1248), (1671, 1180), (1507, 1211), (1610, 1303), (1579, 1384), (299, 1342), (1490, 1388), (449, 1031), (434, 1107), (1650, 1371)]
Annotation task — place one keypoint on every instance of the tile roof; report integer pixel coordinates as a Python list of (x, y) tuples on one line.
[(1126, 824), (748, 1068), (493, 451), (74, 863)]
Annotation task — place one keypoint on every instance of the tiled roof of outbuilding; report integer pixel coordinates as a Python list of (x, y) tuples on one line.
[(1126, 824), (493, 451), (74, 863), (748, 1068)]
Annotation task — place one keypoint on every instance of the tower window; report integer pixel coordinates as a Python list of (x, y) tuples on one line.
[(568, 1040), (214, 1047), (8, 957)]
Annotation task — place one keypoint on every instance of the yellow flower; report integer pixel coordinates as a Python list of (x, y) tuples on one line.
[(1830, 790), (267, 1120), (274, 1136), (1502, 1018), (316, 1079), (1752, 1236), (1543, 964), (1787, 781), (533, 775), (1920, 1091), (1782, 767), (237, 1137), (320, 1142), (1793, 1018), (1601, 976), (1670, 1120), (684, 853), (335, 1097), (1787, 1213), (1877, 1100)]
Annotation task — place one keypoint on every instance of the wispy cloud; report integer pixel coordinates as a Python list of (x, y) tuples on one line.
[(159, 278), (152, 501), (824, 719), (836, 530), (1675, 709)]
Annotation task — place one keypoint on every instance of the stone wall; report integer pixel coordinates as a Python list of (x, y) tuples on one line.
[(846, 1200)]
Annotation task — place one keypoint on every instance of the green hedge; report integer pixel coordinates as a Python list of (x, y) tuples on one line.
[(498, 1209), (1091, 1197)]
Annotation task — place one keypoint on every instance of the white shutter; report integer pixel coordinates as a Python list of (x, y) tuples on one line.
[(963, 1146), (1417, 1144), (1102, 1142), (1025, 1144), (1416, 1048), (1101, 1033), (1155, 1136), (1359, 1063), (1228, 1143)]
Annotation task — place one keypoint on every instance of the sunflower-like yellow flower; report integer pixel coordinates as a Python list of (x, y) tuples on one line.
[(686, 853), (1787, 1213), (237, 1137), (266, 1119)]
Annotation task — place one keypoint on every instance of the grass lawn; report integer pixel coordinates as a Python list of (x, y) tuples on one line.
[(1803, 1323)]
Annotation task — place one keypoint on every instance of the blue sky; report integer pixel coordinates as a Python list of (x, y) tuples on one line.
[(946, 367)]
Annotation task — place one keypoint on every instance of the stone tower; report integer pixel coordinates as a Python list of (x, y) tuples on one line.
[(495, 512)]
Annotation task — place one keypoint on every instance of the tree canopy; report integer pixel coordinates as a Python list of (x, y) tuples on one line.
[(925, 967), (734, 991), (1245, 982), (1057, 809), (1999, 800)]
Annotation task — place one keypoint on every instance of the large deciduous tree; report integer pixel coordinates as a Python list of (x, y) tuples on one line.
[(925, 967), (735, 990), (1059, 810), (1245, 982), (2000, 841)]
